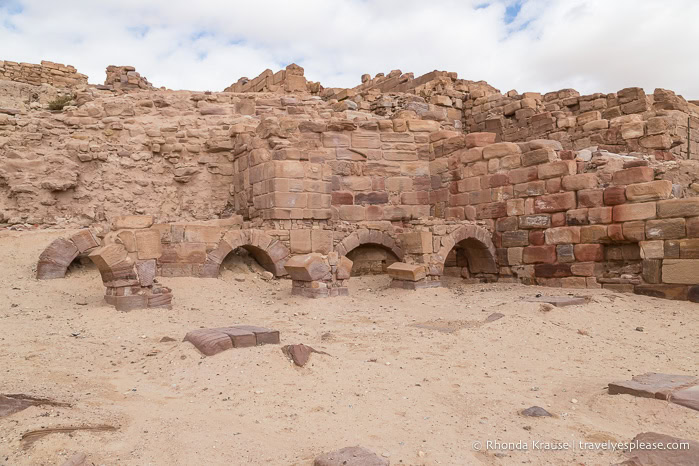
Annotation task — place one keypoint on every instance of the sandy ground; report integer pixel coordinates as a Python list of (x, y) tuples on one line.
[(415, 394)]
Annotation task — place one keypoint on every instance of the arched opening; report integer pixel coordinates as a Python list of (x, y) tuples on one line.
[(246, 246), (371, 259), (247, 259), (470, 259), (81, 266), (469, 253)]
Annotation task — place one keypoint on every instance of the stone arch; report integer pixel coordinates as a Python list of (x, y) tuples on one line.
[(269, 252), (366, 236), (478, 245), (55, 259)]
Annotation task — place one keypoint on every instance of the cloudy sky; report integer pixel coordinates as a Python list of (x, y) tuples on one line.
[(528, 45)]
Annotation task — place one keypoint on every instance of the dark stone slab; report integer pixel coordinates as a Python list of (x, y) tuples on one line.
[(494, 316), (209, 341), (351, 456), (263, 335), (652, 385), (688, 397)]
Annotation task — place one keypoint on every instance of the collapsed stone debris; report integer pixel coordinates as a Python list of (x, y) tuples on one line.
[(419, 177)]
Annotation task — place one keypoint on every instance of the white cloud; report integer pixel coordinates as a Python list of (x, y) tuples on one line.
[(590, 45)]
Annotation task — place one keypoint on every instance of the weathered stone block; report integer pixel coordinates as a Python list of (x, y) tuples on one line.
[(500, 149), (593, 234), (148, 244), (403, 271), (652, 270), (600, 215), (538, 156), (652, 249), (679, 207), (307, 267), (615, 195), (132, 222), (672, 228), (589, 252), (651, 191), (107, 256), (300, 241), (556, 169), (480, 139), (590, 198), (515, 238), (634, 231), (85, 240), (629, 212), (555, 202), (632, 175), (534, 221), (676, 292), (539, 254), (578, 182), (417, 242), (689, 249), (562, 235), (344, 268), (552, 270)]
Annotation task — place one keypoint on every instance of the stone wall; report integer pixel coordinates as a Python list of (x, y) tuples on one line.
[(54, 74), (627, 121), (289, 80), (125, 78)]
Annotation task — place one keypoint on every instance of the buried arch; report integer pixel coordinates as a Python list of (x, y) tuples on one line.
[(55, 259), (477, 245), (366, 238), (269, 252)]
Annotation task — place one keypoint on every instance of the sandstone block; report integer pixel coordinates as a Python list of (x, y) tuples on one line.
[(538, 156), (681, 271), (634, 231), (615, 195), (148, 244), (629, 212), (515, 238), (590, 197), (344, 268), (562, 235), (423, 125), (534, 221), (672, 228), (555, 202), (693, 227), (652, 249), (539, 254), (589, 252), (500, 149), (679, 207), (107, 256), (132, 222), (403, 271), (307, 267), (676, 292), (593, 234), (650, 191), (417, 242), (689, 249), (480, 139), (321, 241), (556, 169), (652, 270), (632, 175), (600, 215), (85, 240), (565, 253), (300, 241), (578, 182)]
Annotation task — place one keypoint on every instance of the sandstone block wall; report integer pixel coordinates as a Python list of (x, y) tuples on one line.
[(47, 72), (125, 78), (288, 80)]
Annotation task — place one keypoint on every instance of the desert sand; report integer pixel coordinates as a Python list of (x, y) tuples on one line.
[(416, 376)]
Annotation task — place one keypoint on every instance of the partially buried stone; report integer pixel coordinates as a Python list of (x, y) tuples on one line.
[(536, 411), (351, 456)]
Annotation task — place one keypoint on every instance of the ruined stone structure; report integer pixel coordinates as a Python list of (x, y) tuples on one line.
[(418, 177), (126, 78), (47, 72)]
